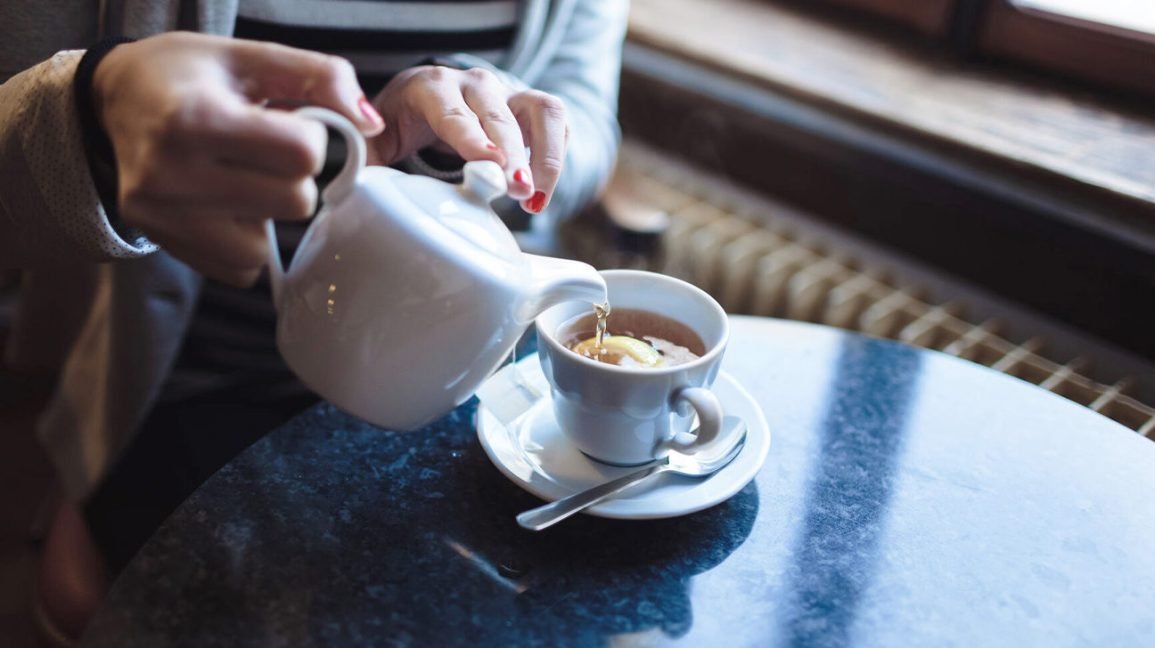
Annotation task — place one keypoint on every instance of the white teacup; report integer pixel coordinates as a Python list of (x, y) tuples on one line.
[(632, 415)]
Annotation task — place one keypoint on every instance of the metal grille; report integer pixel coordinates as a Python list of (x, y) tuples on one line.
[(755, 262)]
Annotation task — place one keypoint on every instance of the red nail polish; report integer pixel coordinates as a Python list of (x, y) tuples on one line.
[(536, 202), (368, 110), (521, 176)]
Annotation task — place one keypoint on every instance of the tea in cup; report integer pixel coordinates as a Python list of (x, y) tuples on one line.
[(639, 338), (633, 397)]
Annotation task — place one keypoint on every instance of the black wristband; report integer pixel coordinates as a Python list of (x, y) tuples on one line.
[(97, 146)]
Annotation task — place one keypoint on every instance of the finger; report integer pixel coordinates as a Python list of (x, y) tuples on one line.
[(545, 118), (240, 278), (229, 250), (440, 102), (272, 71), (215, 190), (277, 142), (488, 99), (244, 278), (247, 136)]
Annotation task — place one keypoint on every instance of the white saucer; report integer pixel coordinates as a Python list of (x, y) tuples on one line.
[(516, 427)]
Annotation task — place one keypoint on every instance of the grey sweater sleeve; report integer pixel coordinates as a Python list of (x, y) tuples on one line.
[(49, 207), (584, 72)]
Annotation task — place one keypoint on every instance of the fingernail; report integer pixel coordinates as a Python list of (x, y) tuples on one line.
[(536, 203), (368, 110), (521, 176), (491, 146)]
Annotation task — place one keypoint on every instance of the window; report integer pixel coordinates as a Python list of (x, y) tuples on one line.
[(1110, 43), (1133, 15)]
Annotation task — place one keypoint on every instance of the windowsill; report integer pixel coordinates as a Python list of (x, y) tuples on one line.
[(1092, 147)]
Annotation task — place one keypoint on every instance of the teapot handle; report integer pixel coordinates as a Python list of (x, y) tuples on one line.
[(338, 189)]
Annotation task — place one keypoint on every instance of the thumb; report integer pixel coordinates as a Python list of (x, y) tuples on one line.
[(269, 71)]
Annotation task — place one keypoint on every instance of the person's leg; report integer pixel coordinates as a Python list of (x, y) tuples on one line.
[(228, 387), (178, 448)]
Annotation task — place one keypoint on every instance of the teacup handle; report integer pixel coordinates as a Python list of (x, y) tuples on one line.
[(709, 410), (338, 189)]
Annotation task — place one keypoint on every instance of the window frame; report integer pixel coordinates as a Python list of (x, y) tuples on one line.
[(1104, 55)]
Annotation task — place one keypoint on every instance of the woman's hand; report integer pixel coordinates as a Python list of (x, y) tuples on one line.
[(201, 161), (475, 114)]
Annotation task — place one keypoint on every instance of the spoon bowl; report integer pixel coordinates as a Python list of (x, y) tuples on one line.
[(701, 464), (710, 460)]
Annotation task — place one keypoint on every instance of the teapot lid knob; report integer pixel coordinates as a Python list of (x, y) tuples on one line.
[(484, 179)]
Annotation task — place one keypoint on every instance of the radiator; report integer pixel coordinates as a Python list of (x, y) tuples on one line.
[(761, 258)]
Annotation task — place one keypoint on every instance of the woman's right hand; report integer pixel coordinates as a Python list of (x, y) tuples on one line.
[(202, 162)]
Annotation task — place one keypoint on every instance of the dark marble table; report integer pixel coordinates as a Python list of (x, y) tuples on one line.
[(909, 499)]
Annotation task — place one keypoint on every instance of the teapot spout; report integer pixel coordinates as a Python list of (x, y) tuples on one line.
[(554, 281)]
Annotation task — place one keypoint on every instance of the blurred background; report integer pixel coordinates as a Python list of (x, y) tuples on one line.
[(972, 176)]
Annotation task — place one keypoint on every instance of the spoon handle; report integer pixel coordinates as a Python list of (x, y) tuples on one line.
[(547, 515)]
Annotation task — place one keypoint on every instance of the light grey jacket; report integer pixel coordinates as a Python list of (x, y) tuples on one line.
[(112, 313)]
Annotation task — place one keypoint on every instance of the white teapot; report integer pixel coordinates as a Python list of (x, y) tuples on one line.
[(407, 292)]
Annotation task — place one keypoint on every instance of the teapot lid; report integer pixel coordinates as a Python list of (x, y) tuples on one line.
[(465, 209)]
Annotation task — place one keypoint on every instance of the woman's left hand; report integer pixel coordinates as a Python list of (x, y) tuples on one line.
[(477, 116)]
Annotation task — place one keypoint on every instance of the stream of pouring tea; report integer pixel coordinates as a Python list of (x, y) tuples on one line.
[(602, 311)]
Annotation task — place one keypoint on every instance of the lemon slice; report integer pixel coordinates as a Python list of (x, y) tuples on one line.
[(616, 348)]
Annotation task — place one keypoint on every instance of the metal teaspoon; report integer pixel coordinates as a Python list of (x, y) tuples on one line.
[(696, 465)]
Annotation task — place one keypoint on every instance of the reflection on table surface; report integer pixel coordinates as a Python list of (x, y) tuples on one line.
[(909, 498)]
